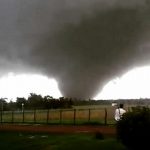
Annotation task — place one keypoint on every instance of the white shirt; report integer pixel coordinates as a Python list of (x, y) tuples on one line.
[(118, 113)]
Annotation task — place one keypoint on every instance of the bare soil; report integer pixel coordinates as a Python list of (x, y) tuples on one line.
[(60, 129)]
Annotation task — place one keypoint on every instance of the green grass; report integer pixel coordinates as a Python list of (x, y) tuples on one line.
[(26, 141)]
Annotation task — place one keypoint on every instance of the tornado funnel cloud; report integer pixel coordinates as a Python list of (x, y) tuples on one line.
[(81, 44)]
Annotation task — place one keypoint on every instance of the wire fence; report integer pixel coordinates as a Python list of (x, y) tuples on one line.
[(97, 116)]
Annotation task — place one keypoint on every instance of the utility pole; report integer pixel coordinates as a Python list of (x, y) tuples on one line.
[(22, 107)]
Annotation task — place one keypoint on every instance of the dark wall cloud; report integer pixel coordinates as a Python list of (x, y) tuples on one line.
[(81, 43)]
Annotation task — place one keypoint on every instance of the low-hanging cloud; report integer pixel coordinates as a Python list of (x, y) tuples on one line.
[(81, 43)]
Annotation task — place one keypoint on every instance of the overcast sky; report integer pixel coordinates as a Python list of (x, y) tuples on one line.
[(81, 43)]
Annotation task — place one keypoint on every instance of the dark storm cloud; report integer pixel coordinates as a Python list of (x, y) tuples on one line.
[(81, 43)]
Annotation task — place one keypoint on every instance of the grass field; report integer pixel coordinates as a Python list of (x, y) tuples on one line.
[(22, 141)]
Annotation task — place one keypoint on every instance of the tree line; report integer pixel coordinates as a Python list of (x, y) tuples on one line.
[(35, 101)]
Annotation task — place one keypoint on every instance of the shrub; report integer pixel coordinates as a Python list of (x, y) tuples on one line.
[(134, 128)]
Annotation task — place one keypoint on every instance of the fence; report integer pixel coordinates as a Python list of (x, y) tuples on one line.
[(62, 116)]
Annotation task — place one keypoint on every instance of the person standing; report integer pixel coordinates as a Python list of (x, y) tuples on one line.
[(119, 112)]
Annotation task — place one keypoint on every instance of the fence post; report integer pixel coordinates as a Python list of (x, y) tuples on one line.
[(47, 116), (105, 116), (60, 117), (23, 116), (74, 117), (12, 119), (89, 114), (34, 115)]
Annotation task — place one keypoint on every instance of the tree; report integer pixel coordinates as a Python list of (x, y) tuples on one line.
[(11, 105), (20, 101), (48, 102), (134, 128), (3, 104), (35, 101)]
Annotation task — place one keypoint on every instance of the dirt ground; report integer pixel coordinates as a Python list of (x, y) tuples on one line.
[(60, 129)]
